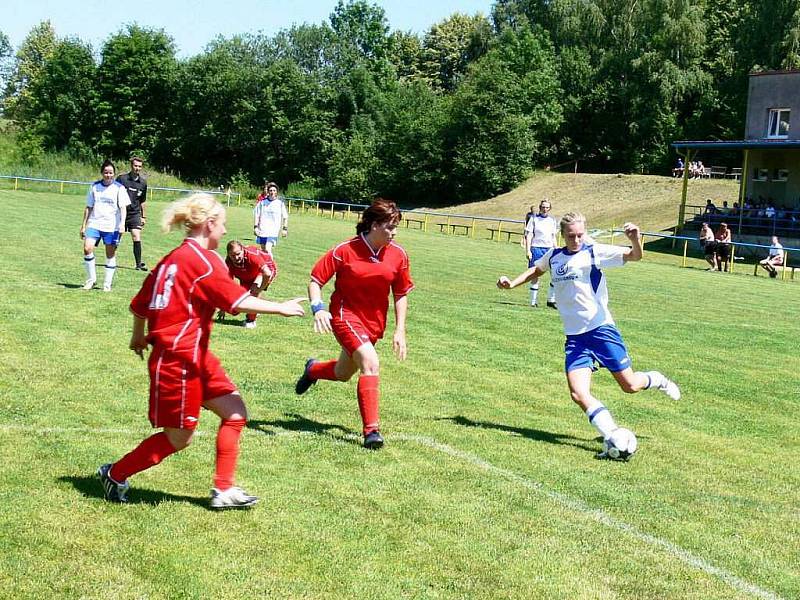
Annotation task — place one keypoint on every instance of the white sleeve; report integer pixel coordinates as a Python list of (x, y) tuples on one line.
[(123, 199), (543, 264), (90, 197), (529, 226), (607, 256), (284, 212)]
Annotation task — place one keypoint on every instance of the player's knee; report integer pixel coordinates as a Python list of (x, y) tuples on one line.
[(578, 398), (179, 438), (628, 387)]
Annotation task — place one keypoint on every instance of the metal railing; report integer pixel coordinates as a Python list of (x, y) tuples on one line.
[(229, 194)]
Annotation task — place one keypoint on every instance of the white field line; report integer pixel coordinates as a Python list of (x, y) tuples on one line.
[(572, 504)]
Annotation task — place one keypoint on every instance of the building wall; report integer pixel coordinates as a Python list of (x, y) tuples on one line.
[(784, 193), (772, 90)]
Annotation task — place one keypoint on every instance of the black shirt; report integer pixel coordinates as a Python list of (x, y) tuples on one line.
[(137, 191)]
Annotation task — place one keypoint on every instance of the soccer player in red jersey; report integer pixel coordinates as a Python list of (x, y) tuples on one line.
[(177, 303), (255, 270), (367, 267)]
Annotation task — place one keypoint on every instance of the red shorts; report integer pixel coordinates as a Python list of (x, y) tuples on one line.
[(351, 333), (178, 388)]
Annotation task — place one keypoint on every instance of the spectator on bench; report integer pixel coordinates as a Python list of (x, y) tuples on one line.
[(711, 208), (678, 170), (723, 246), (709, 245), (775, 258)]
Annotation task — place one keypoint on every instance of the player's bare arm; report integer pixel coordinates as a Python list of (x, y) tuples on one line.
[(138, 336), (322, 317), (505, 284), (289, 308), (399, 338), (634, 235)]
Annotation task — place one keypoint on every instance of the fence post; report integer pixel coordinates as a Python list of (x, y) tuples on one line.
[(685, 247), (733, 255), (447, 226), (614, 233), (785, 266), (426, 223), (16, 183), (348, 212), (331, 210), (499, 229), (473, 228), (643, 236), (62, 188)]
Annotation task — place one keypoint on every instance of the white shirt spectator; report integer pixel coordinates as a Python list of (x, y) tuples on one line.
[(580, 285), (269, 216), (543, 229)]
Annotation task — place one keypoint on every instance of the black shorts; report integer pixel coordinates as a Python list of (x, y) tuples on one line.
[(723, 250), (710, 248), (133, 221)]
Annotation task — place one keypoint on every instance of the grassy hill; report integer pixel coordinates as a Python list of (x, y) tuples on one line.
[(606, 200)]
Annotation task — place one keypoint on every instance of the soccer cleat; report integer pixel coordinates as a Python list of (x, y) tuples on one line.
[(232, 498), (552, 304), (249, 324), (373, 440), (106, 288), (773, 274), (534, 305), (141, 267), (113, 491), (671, 389), (89, 284), (605, 456), (305, 381)]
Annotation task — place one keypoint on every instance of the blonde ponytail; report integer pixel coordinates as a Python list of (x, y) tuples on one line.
[(191, 212), (570, 218)]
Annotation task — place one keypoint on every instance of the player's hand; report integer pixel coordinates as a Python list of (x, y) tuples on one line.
[(529, 254), (83, 232), (284, 232), (399, 344), (322, 322), (504, 283), (138, 344), (255, 290), (144, 221), (631, 231), (220, 315), (293, 307)]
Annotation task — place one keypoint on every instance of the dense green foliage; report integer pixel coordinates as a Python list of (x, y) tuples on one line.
[(461, 112), (487, 487)]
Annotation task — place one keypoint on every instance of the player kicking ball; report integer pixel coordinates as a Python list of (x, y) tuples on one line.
[(592, 337)]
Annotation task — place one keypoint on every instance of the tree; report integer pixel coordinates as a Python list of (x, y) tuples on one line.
[(451, 45), (28, 63), (136, 82), (6, 54)]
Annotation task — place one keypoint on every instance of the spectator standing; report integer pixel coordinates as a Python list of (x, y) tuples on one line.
[(775, 258), (103, 219), (592, 336), (176, 304), (270, 218), (367, 268), (255, 270), (135, 219), (723, 250), (711, 208), (709, 245), (678, 170), (540, 236)]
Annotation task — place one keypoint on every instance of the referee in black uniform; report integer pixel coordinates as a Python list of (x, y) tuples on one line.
[(136, 185)]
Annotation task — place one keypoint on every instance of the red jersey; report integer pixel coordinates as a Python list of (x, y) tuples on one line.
[(179, 296), (363, 280), (254, 261)]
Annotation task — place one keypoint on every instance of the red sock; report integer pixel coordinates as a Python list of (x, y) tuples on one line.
[(323, 370), (147, 454), (230, 430), (368, 396)]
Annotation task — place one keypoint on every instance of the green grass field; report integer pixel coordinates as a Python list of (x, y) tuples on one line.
[(487, 487)]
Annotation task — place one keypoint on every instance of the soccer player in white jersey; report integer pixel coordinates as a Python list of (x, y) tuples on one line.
[(540, 236), (103, 219), (270, 218), (592, 336)]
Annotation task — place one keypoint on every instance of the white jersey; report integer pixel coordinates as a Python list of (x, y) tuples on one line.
[(580, 286), (776, 249), (269, 215), (543, 229), (106, 202)]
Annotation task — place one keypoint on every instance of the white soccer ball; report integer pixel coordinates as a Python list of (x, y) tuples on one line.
[(621, 444)]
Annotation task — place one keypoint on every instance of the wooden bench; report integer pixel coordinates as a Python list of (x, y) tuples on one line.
[(781, 269), (420, 223), (706, 173), (508, 233), (453, 227), (718, 171), (736, 173)]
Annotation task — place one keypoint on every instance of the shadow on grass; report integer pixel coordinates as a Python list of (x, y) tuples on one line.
[(298, 423), (90, 487), (71, 286), (531, 434)]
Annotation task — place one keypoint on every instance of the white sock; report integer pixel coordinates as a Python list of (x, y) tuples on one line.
[(551, 294), (111, 266), (89, 265), (601, 418), (534, 293), (657, 380)]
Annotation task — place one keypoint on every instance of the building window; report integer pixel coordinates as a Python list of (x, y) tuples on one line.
[(778, 123), (781, 175), (760, 174)]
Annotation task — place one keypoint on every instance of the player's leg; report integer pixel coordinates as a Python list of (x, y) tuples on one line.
[(136, 236), (579, 381), (351, 335), (631, 381), (89, 263), (534, 283), (110, 242), (366, 357)]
